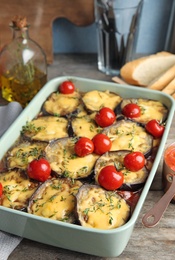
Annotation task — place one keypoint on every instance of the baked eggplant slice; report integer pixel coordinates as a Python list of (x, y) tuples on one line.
[(46, 128), (132, 180), (94, 100), (17, 189), (55, 199), (85, 126), (129, 135), (101, 209), (150, 109), (64, 162), (62, 104), (23, 153)]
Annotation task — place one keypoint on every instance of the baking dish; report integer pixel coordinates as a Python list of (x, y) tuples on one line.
[(104, 243)]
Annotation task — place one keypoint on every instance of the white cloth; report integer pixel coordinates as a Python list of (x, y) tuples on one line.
[(8, 114), (8, 243)]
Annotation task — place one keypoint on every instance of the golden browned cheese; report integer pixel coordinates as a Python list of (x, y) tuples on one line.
[(98, 208), (17, 189), (56, 200), (46, 128), (94, 100)]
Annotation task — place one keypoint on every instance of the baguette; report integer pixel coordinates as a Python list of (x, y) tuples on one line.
[(170, 88), (142, 71), (163, 80)]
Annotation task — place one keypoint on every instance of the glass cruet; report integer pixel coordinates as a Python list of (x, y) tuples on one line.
[(23, 66)]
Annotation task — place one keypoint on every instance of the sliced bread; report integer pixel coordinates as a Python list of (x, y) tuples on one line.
[(170, 88), (142, 71), (163, 80)]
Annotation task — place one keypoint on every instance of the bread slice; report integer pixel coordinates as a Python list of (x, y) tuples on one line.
[(170, 88), (142, 71), (163, 80)]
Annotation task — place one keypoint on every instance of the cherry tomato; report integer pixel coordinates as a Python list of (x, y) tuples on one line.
[(131, 110), (84, 146), (1, 189), (67, 87), (39, 170), (105, 117), (134, 161), (109, 178), (102, 143), (155, 128)]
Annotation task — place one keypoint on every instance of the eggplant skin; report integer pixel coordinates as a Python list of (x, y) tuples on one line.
[(101, 209), (63, 161), (132, 180), (55, 199), (150, 109), (17, 189)]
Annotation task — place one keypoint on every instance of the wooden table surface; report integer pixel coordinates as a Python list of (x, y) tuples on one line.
[(145, 243)]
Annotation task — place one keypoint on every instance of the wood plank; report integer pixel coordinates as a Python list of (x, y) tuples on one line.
[(41, 15)]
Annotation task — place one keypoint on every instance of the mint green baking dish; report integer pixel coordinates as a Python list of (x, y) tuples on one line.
[(104, 243)]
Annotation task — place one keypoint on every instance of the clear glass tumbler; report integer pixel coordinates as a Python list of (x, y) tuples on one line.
[(117, 32)]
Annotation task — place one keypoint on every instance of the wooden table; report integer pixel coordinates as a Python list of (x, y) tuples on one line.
[(145, 243)]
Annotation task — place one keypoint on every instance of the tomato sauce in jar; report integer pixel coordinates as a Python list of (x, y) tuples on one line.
[(169, 157), (168, 167)]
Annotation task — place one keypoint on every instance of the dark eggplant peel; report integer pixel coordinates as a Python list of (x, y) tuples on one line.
[(55, 199), (95, 100), (23, 153), (98, 208), (150, 109), (17, 189), (129, 135), (46, 128), (62, 105), (132, 180), (61, 156)]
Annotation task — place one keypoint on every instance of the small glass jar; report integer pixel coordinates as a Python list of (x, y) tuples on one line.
[(23, 66)]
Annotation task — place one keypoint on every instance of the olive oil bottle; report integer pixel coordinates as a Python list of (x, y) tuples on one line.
[(23, 66)]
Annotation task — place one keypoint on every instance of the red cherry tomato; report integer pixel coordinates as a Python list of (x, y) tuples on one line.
[(109, 178), (131, 110), (67, 87), (39, 170), (102, 143), (155, 128), (105, 117), (1, 189), (134, 161), (84, 146)]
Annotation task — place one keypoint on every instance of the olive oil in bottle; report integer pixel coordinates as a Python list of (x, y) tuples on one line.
[(23, 67)]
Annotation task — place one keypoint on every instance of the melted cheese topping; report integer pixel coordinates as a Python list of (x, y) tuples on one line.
[(57, 200), (23, 154), (100, 209), (150, 109), (17, 190), (94, 100), (85, 127), (63, 160), (51, 128), (129, 136), (62, 104)]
